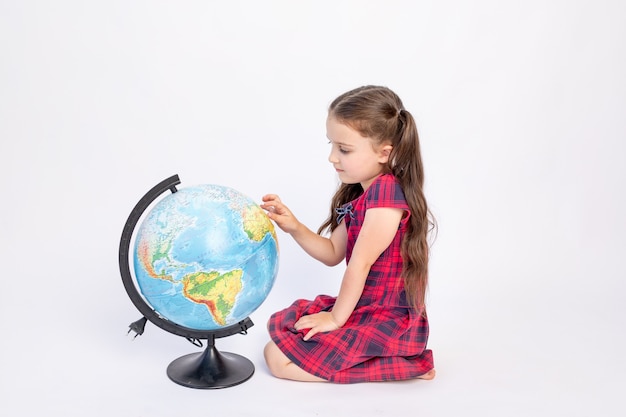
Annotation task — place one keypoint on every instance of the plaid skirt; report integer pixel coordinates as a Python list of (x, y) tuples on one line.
[(377, 343)]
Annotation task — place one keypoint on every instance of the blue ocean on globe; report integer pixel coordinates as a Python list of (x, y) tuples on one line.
[(205, 257)]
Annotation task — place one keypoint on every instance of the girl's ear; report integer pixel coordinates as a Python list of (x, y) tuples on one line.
[(384, 153)]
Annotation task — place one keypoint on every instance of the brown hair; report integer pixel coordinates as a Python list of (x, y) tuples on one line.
[(378, 113)]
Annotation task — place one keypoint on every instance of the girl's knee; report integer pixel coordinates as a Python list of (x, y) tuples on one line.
[(270, 357), (267, 350), (282, 367)]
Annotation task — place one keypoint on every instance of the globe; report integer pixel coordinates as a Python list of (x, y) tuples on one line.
[(205, 257)]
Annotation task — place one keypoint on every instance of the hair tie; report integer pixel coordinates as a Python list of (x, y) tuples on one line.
[(401, 116)]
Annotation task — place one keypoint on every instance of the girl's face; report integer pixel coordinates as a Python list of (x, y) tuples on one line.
[(357, 159)]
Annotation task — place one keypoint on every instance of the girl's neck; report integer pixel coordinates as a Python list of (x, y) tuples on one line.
[(369, 182)]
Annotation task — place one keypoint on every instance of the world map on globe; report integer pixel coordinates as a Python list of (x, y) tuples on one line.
[(205, 257)]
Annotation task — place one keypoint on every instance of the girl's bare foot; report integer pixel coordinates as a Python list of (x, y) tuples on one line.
[(428, 375)]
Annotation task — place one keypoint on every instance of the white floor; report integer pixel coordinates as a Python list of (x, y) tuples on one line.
[(521, 113), (82, 363)]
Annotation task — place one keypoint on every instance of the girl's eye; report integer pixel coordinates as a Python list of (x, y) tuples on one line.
[(342, 150)]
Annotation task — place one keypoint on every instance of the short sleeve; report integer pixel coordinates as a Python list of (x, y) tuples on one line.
[(385, 191)]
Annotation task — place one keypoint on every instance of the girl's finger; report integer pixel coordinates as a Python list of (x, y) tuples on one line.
[(309, 334), (271, 206), (269, 197)]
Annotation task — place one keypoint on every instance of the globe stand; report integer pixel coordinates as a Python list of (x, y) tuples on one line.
[(210, 369)]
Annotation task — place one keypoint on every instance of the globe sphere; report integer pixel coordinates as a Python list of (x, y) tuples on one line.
[(205, 257)]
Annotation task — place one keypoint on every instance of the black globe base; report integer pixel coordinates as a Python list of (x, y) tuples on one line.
[(210, 369)]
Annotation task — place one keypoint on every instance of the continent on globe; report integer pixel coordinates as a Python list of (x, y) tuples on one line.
[(255, 223), (217, 291), (148, 256)]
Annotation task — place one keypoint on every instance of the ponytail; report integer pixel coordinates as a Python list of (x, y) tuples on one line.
[(405, 163)]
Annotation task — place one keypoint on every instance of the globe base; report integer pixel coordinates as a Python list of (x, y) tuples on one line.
[(210, 369)]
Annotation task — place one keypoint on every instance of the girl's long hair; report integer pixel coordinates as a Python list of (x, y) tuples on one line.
[(378, 113)]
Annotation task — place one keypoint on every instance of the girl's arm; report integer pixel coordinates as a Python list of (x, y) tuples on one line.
[(379, 228), (329, 251)]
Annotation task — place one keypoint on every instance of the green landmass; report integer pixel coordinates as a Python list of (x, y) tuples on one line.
[(217, 291)]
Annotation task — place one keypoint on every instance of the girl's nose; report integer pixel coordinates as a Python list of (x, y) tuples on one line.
[(332, 158)]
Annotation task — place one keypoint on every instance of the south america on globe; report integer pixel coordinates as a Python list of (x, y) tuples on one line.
[(205, 257)]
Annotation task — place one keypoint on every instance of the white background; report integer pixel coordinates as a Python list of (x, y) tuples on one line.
[(521, 108)]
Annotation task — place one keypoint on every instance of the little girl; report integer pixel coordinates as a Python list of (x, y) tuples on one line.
[(376, 328)]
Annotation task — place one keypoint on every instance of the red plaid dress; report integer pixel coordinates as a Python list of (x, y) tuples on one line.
[(384, 339)]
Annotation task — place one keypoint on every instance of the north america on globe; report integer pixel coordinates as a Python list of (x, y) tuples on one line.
[(206, 257)]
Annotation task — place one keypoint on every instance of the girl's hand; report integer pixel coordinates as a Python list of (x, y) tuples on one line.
[(320, 322), (279, 212)]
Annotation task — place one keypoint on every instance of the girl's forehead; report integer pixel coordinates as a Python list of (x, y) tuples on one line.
[(334, 126), (342, 133)]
